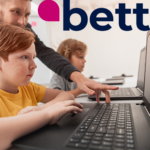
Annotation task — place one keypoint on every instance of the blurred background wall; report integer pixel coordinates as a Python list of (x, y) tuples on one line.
[(110, 52)]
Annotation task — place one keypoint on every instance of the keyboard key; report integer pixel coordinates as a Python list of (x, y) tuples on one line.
[(120, 136), (121, 149), (77, 145), (96, 142), (85, 141), (130, 137), (103, 122), (107, 143), (112, 124), (97, 138), (129, 125), (130, 146), (95, 123), (119, 145), (130, 141), (92, 128), (120, 140), (87, 137), (109, 135), (82, 127), (111, 127), (110, 131), (78, 135), (86, 124), (120, 123), (74, 140), (99, 148), (120, 131), (90, 117), (108, 139), (129, 133), (121, 126), (102, 125), (81, 130), (101, 130), (129, 130), (89, 134), (99, 134)]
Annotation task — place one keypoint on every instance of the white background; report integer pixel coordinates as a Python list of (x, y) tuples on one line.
[(110, 53)]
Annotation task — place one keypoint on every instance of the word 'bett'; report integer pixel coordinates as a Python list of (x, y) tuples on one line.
[(121, 11)]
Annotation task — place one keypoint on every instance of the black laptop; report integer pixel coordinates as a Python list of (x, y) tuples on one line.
[(119, 78), (113, 82), (99, 127), (131, 93)]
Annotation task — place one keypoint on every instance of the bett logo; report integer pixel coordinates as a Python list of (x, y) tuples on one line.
[(49, 11)]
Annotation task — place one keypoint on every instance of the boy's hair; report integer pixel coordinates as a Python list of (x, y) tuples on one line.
[(71, 46), (13, 39)]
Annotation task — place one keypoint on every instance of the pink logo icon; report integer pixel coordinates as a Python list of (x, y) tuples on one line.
[(49, 10)]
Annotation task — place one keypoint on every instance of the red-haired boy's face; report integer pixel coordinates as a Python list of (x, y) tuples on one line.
[(19, 68), (15, 12)]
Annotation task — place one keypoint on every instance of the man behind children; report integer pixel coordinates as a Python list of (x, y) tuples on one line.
[(17, 12)]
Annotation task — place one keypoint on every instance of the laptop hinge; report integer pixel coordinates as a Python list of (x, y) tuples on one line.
[(142, 103), (139, 89), (147, 111)]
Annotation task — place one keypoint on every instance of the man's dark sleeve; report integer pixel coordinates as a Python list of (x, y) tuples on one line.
[(52, 59)]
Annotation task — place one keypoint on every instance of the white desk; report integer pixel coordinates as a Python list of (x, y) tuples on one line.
[(129, 82)]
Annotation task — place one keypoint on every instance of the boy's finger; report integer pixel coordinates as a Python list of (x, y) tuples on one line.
[(72, 102), (73, 108)]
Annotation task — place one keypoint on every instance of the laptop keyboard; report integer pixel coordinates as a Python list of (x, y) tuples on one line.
[(107, 127), (122, 92)]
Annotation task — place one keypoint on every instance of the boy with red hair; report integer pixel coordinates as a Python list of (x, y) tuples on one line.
[(17, 53)]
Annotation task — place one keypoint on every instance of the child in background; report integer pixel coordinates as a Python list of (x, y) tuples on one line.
[(75, 52)]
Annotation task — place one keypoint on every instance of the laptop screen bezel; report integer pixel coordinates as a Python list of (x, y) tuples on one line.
[(139, 85), (147, 104)]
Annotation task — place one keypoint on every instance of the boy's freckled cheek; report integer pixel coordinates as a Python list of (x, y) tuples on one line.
[(20, 69)]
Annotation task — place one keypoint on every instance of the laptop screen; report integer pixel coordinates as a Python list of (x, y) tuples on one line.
[(140, 82), (147, 75)]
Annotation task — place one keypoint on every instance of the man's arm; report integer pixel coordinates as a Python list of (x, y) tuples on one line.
[(64, 68), (52, 59), (90, 86)]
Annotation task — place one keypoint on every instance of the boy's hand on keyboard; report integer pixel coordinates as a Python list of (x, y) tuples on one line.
[(59, 109)]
